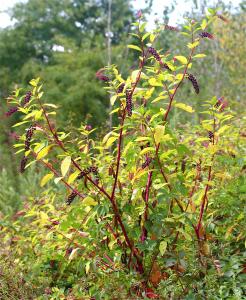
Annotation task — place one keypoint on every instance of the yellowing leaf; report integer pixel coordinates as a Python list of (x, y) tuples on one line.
[(146, 150), (111, 244), (185, 107), (134, 47), (159, 133), (56, 180), (73, 176), (142, 138), (113, 99), (193, 45), (204, 24), (200, 55), (182, 59), (34, 82), (163, 247), (65, 165), (73, 253), (88, 201), (46, 178), (159, 98), (111, 140), (154, 82), (42, 153), (87, 267)]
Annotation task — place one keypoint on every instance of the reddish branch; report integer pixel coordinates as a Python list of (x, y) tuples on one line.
[(146, 199)]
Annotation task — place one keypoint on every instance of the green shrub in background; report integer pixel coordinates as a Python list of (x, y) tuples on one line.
[(151, 210)]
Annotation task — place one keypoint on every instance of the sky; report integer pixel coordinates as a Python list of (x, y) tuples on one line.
[(158, 7)]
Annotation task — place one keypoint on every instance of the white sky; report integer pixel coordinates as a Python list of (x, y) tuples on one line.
[(158, 7)]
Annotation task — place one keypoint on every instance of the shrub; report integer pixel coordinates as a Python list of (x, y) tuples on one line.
[(139, 219)]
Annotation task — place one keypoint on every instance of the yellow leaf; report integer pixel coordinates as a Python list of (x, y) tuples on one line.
[(113, 99), (73, 253), (182, 59), (204, 24), (200, 55), (193, 45), (163, 247), (42, 153), (159, 133), (185, 107), (159, 98), (87, 267), (134, 47), (146, 150), (46, 178), (111, 140), (65, 165), (73, 176), (88, 201), (154, 82)]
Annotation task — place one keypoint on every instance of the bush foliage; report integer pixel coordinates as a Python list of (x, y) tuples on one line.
[(153, 208)]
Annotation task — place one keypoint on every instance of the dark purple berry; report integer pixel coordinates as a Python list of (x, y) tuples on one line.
[(206, 34), (71, 197), (11, 111), (23, 164), (194, 82), (27, 98)]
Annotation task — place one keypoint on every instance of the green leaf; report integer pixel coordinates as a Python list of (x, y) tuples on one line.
[(163, 247), (185, 107), (134, 47), (46, 178), (65, 165), (182, 59)]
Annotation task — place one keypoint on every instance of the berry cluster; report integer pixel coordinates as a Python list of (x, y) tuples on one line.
[(147, 162), (120, 88), (129, 102), (29, 134), (23, 164), (71, 197), (222, 18), (87, 171), (221, 104), (102, 76), (194, 82), (11, 111), (206, 34), (172, 28), (158, 58), (27, 98), (211, 136)]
